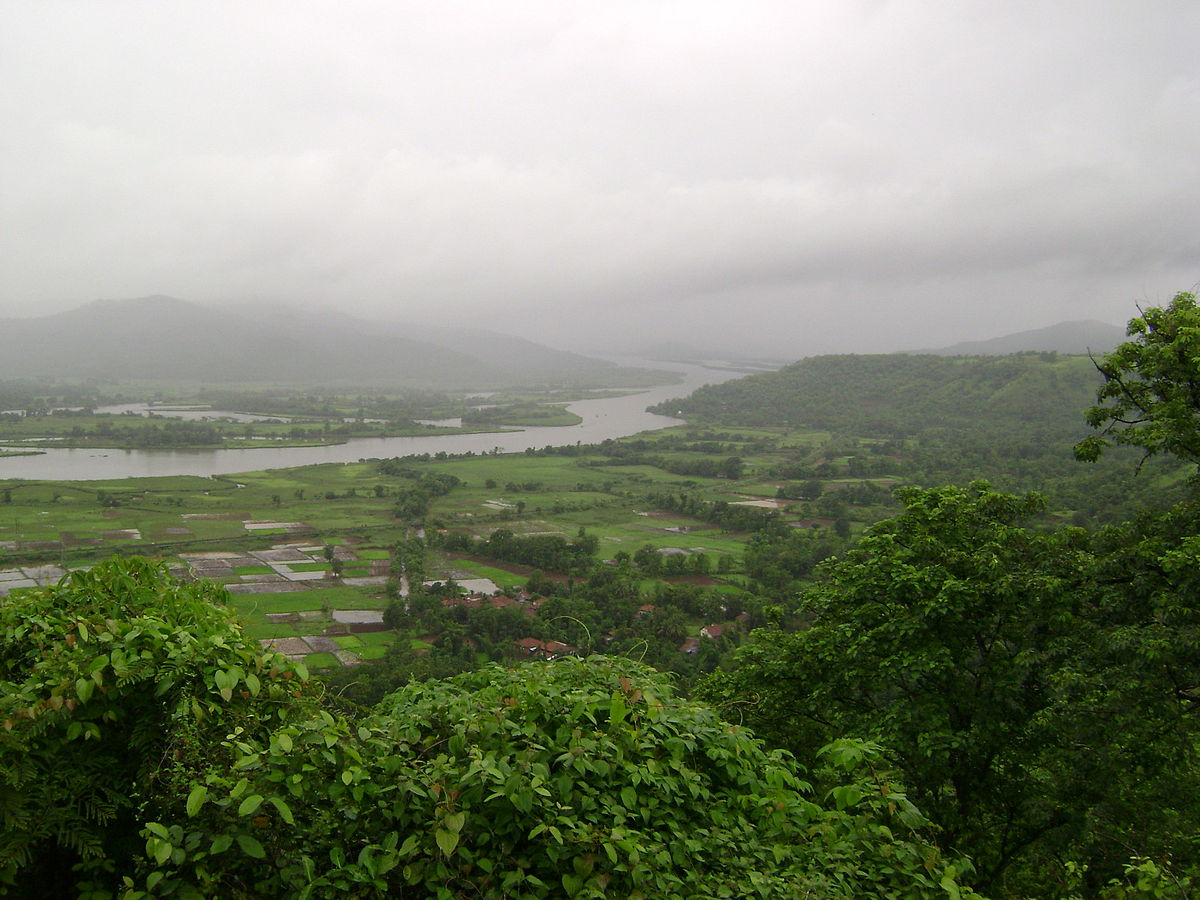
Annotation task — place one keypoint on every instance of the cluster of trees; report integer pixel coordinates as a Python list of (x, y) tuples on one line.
[(777, 559), (550, 552), (40, 396), (148, 749), (402, 406), (653, 563), (418, 489), (122, 432), (517, 413)]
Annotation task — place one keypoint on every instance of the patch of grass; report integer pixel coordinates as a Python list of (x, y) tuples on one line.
[(347, 597), (348, 642), (374, 554), (252, 570), (372, 652), (321, 661), (377, 638), (261, 604)]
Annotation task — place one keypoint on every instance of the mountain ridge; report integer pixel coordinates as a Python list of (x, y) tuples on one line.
[(1075, 337), (164, 338)]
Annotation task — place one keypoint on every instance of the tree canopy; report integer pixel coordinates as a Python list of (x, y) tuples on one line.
[(1151, 392), (1036, 688), (150, 750)]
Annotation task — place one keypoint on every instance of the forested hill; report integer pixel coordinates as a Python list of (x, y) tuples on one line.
[(898, 395)]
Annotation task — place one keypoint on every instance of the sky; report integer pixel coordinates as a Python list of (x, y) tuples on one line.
[(777, 176)]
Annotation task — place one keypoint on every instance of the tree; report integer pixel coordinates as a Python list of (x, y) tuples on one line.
[(936, 636), (116, 686), (588, 778), (1151, 392)]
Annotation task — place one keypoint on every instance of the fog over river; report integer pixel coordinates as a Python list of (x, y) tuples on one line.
[(605, 418)]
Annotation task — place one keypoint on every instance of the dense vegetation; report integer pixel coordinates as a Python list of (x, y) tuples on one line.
[(1010, 419), (1037, 687), (900, 395), (148, 749), (1033, 685)]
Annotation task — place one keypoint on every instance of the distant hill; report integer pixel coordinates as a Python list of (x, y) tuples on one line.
[(896, 395), (1078, 337), (162, 338)]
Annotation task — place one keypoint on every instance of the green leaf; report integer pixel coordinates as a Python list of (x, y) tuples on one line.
[(251, 847), (221, 843), (616, 711), (572, 884), (84, 688), (250, 805), (454, 821), (196, 799), (285, 811), (161, 849), (446, 840), (285, 742)]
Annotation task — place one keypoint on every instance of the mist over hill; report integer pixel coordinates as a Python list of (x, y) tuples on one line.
[(1077, 337), (160, 338)]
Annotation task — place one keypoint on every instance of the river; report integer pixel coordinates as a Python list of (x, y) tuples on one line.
[(603, 418)]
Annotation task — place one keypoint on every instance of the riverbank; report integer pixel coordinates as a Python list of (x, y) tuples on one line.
[(600, 419)]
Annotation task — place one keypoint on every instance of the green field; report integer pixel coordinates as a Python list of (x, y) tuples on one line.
[(351, 507)]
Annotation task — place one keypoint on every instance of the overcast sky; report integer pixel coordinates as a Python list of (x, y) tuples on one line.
[(805, 175)]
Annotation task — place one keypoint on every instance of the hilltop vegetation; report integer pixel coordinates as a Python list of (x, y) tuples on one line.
[(901, 395)]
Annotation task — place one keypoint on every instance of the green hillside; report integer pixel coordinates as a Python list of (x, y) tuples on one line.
[(898, 395)]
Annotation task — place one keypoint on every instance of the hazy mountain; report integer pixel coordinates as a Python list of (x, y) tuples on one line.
[(1076, 337), (166, 339)]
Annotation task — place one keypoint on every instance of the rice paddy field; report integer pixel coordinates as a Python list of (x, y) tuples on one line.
[(274, 538)]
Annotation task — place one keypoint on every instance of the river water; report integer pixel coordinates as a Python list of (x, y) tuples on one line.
[(605, 418)]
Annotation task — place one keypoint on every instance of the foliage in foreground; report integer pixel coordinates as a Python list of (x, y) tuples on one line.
[(149, 750), (115, 687), (1035, 688)]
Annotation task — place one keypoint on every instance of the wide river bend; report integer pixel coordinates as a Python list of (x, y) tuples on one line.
[(604, 418)]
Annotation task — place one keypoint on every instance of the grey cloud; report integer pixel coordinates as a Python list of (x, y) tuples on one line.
[(856, 175)]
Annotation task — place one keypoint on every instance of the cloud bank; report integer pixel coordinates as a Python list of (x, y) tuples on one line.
[(800, 177)]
